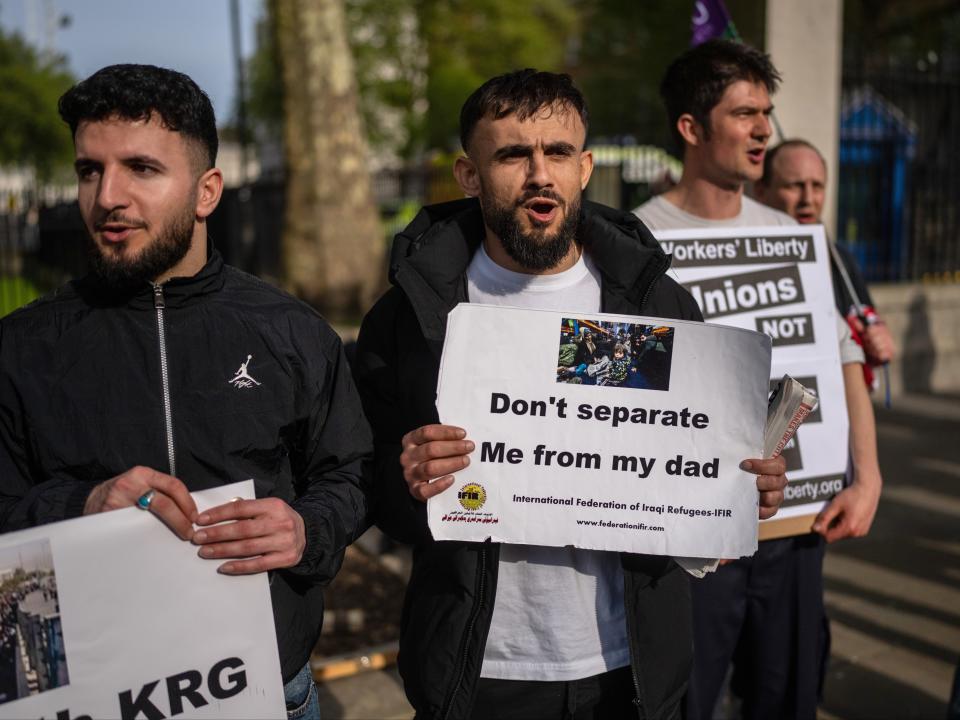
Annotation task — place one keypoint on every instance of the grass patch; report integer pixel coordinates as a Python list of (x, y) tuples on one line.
[(16, 292)]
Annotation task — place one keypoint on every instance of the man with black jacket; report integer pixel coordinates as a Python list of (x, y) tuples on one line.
[(165, 371), (517, 631)]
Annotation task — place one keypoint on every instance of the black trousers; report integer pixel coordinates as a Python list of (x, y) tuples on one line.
[(599, 697), (764, 614)]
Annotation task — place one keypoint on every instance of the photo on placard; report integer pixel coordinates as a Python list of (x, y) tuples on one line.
[(32, 656), (615, 354)]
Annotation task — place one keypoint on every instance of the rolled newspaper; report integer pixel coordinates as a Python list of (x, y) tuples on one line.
[(789, 405)]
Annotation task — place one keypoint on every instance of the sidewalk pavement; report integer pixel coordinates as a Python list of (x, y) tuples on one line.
[(374, 695)]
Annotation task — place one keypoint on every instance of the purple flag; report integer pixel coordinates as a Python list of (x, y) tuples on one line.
[(711, 20)]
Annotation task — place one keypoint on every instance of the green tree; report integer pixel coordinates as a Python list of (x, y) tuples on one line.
[(389, 60), (33, 135), (265, 100), (469, 42), (417, 60), (391, 64), (333, 251), (919, 35), (624, 48)]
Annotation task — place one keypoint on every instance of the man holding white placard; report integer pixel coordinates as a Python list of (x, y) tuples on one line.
[(165, 371), (513, 630)]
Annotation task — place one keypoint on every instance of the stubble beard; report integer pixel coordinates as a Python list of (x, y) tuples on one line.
[(124, 274)]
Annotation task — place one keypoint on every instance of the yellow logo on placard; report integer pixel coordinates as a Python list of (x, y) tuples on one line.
[(472, 496)]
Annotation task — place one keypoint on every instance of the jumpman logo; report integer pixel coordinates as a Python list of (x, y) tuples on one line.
[(243, 379)]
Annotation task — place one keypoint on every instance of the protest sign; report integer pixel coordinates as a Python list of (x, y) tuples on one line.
[(777, 280), (113, 616), (602, 431)]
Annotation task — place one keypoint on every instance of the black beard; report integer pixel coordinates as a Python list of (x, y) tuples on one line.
[(534, 251), (168, 248)]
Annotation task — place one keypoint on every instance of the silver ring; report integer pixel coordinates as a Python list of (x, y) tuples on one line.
[(143, 502)]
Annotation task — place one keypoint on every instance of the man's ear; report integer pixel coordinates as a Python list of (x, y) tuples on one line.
[(467, 176), (690, 130), (586, 168), (209, 191)]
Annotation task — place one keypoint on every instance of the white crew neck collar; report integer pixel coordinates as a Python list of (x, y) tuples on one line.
[(510, 280)]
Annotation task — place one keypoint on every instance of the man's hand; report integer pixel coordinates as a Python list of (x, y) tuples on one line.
[(770, 482), (267, 534), (850, 513), (878, 343), (171, 501), (433, 453)]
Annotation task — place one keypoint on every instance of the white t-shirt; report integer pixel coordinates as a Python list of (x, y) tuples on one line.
[(559, 612), (658, 213)]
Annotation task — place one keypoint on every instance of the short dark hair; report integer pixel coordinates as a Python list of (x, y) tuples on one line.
[(695, 81), (522, 92), (785, 145), (135, 92)]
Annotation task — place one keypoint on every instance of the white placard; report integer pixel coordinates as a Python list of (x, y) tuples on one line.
[(776, 280), (639, 453), (116, 617)]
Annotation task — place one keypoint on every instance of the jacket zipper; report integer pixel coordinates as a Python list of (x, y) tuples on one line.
[(637, 702), (663, 265), (159, 304), (474, 614)]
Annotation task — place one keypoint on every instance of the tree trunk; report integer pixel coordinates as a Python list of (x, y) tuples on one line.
[(333, 245)]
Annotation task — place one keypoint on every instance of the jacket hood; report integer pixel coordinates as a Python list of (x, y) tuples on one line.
[(438, 244)]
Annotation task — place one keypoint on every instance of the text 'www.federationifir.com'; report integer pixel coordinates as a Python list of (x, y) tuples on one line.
[(620, 525)]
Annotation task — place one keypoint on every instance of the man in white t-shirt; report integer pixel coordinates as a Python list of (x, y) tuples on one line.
[(513, 631), (765, 613)]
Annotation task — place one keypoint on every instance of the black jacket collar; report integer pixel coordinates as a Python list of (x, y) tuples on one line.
[(430, 257), (177, 292)]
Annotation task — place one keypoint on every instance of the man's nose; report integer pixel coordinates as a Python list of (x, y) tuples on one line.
[(762, 128), (538, 174), (806, 193), (112, 191)]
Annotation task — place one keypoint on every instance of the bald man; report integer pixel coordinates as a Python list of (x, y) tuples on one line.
[(794, 181)]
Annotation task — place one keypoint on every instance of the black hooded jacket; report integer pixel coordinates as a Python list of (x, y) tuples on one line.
[(84, 396), (449, 601)]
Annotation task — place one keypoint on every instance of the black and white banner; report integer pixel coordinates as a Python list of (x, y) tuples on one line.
[(776, 280)]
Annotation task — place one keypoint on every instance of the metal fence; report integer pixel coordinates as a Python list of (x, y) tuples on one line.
[(42, 240), (19, 246), (899, 182), (247, 228), (41, 246)]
